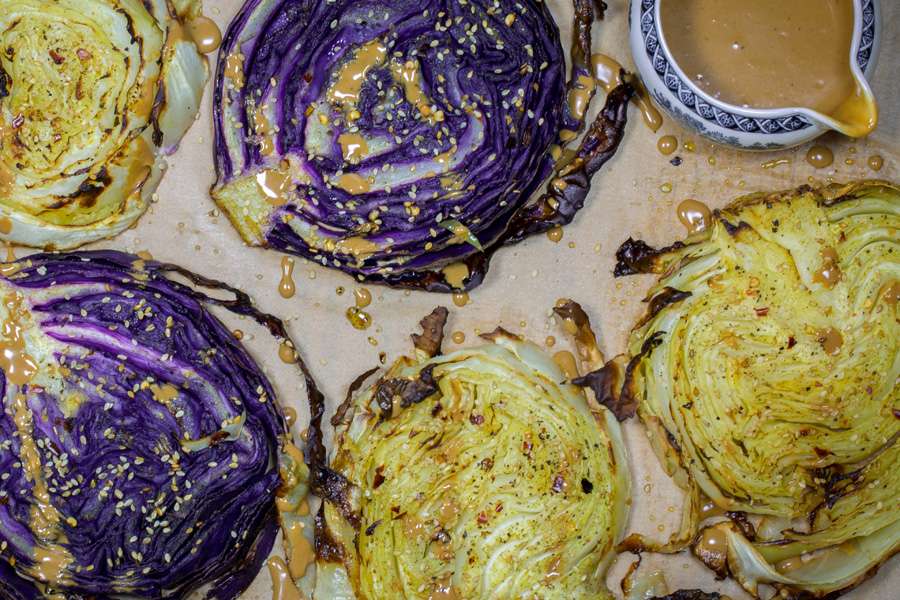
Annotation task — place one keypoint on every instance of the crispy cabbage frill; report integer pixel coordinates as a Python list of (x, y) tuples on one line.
[(139, 441), (92, 93), (765, 372), (475, 474), (403, 142)]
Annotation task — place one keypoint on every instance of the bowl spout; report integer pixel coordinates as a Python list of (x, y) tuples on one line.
[(856, 116)]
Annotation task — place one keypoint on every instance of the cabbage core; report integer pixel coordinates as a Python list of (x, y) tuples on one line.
[(477, 474)]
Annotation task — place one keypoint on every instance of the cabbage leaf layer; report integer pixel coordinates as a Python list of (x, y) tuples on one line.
[(401, 142), (766, 375), (475, 474), (92, 93), (139, 441)]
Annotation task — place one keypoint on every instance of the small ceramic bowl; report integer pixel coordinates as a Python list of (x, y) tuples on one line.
[(745, 128)]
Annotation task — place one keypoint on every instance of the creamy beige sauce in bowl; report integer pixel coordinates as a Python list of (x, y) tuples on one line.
[(764, 53), (773, 54)]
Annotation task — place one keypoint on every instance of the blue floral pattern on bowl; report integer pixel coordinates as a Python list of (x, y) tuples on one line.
[(691, 105)]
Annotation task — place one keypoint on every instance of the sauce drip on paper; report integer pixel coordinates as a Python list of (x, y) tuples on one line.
[(608, 75), (667, 144), (286, 287), (694, 215), (820, 156), (205, 33)]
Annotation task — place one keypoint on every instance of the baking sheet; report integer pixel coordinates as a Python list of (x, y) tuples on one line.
[(525, 280)]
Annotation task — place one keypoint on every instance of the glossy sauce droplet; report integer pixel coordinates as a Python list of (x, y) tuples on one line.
[(831, 340), (565, 360), (455, 274), (829, 273), (712, 546), (550, 341), (363, 297), (206, 34), (875, 163), (580, 96), (775, 162), (820, 156), (287, 353), (299, 551), (789, 564), (5, 225), (17, 364), (353, 147), (607, 73), (653, 119), (274, 185), (458, 337), (290, 415), (283, 587), (667, 144), (353, 184), (460, 299), (444, 590), (238, 334), (286, 287), (555, 234), (710, 509), (891, 293), (359, 318), (694, 215)]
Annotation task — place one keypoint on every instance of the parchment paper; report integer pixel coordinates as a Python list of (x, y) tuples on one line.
[(525, 280)]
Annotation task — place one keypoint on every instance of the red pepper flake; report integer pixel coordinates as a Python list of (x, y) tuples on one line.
[(379, 477), (18, 121), (83, 54), (487, 463), (476, 419), (57, 57), (791, 342), (499, 507), (526, 447), (482, 518), (761, 312)]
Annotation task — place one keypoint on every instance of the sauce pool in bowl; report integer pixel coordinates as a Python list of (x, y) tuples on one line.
[(760, 74), (764, 53)]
